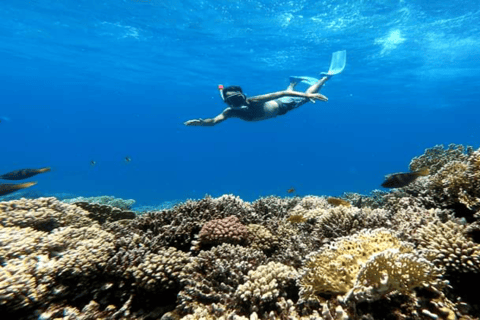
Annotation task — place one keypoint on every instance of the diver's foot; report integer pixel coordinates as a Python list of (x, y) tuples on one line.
[(292, 85)]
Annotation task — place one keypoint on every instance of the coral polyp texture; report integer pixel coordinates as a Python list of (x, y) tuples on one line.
[(409, 253)]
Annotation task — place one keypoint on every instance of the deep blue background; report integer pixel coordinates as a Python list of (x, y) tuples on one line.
[(99, 80)]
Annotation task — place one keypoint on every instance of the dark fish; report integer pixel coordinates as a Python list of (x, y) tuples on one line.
[(338, 202), (128, 159), (291, 190), (359, 203), (93, 162), (399, 180), (23, 174), (7, 188)]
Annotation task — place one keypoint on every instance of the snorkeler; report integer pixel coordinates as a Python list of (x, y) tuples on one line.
[(273, 104)]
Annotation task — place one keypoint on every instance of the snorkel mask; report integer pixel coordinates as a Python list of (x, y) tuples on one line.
[(233, 96)]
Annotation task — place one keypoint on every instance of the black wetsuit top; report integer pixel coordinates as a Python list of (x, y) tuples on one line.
[(252, 112)]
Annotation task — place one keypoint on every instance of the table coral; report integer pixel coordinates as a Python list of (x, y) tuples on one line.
[(392, 271), (105, 213), (334, 269), (43, 214)]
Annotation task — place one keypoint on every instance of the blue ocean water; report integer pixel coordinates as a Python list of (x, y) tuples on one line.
[(101, 80)]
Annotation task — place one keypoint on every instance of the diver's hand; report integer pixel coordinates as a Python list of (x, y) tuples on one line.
[(194, 122), (316, 96)]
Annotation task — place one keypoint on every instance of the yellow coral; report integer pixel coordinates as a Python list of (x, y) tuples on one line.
[(392, 271), (334, 269)]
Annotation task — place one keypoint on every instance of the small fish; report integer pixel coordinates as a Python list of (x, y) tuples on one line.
[(399, 180), (128, 159), (338, 202), (93, 162), (7, 188), (23, 174), (291, 190)]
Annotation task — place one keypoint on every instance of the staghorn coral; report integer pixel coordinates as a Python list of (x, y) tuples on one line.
[(44, 214), (214, 275), (447, 245), (105, 213), (435, 158), (334, 269), (226, 230), (261, 238), (265, 285)]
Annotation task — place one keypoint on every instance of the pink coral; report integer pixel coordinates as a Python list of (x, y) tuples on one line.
[(226, 230)]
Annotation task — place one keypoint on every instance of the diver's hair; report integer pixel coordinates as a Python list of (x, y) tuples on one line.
[(232, 89)]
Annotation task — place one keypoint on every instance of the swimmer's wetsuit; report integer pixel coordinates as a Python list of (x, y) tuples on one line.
[(256, 111)]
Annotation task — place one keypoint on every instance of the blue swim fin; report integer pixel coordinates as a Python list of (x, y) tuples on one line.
[(308, 80), (339, 60)]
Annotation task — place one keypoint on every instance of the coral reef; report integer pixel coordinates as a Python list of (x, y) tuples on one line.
[(105, 200), (226, 230), (105, 213), (410, 253)]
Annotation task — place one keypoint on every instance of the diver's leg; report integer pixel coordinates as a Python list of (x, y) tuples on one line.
[(317, 86), (292, 85)]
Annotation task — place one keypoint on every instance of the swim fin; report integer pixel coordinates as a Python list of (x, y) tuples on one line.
[(339, 60), (308, 80)]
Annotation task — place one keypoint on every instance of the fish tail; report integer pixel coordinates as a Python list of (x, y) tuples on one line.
[(423, 172), (26, 184), (46, 169)]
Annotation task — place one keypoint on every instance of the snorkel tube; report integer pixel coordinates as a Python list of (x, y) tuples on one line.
[(220, 89)]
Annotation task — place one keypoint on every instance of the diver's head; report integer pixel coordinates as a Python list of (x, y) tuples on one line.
[(233, 96)]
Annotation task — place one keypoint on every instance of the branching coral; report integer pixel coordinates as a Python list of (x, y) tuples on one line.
[(261, 238), (343, 221), (435, 158), (43, 214), (214, 275), (447, 245), (266, 284)]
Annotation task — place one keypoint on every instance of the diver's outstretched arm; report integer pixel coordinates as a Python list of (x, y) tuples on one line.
[(286, 93), (210, 122)]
